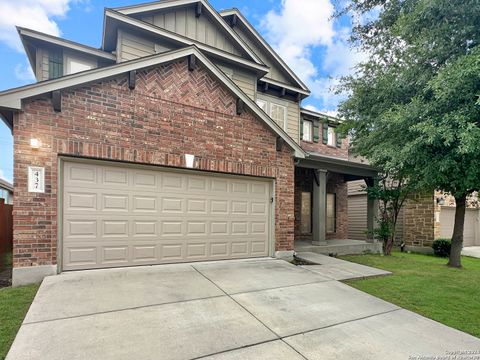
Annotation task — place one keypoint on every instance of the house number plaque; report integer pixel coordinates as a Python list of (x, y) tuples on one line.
[(36, 179)]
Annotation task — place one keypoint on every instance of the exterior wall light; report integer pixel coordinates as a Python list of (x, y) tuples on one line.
[(189, 160), (35, 143)]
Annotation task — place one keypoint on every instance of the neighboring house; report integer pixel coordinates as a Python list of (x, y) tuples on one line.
[(181, 139), (6, 191)]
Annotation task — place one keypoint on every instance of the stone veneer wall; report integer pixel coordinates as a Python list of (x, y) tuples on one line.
[(419, 220)]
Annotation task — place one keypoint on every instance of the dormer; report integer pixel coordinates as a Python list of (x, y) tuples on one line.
[(52, 57)]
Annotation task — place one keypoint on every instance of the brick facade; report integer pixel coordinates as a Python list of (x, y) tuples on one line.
[(321, 148), (419, 220), (172, 111), (336, 184)]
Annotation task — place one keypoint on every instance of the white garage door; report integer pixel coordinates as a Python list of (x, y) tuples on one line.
[(121, 216), (470, 227)]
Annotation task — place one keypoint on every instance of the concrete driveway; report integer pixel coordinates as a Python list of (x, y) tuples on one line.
[(255, 309)]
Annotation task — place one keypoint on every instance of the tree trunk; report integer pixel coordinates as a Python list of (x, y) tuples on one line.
[(457, 237)]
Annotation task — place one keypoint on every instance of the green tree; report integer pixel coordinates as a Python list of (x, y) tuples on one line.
[(413, 105)]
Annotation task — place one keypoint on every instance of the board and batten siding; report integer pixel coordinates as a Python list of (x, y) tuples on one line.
[(202, 29), (293, 114), (357, 213), (246, 81), (275, 72), (42, 64)]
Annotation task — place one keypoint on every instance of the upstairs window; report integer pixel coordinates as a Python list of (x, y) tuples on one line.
[(55, 64), (307, 131), (262, 104), (279, 114), (332, 141), (75, 65)]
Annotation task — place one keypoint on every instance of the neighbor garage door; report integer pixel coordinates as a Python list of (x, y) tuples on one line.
[(470, 228), (121, 216)]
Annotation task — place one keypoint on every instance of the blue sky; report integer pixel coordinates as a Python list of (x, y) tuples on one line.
[(301, 31)]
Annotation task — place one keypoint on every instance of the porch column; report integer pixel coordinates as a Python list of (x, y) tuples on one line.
[(319, 207), (372, 212)]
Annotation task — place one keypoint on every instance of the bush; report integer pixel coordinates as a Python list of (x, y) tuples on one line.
[(441, 247)]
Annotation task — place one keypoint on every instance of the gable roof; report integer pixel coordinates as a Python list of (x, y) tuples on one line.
[(166, 4), (112, 16), (260, 40), (11, 100), (28, 35)]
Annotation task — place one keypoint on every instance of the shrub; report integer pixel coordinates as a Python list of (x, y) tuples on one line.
[(441, 247)]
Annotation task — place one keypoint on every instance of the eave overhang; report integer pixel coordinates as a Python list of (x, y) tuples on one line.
[(261, 41), (352, 170)]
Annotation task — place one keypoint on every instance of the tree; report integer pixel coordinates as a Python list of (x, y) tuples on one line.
[(413, 105), (391, 195)]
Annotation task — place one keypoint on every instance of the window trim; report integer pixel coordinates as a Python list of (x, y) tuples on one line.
[(284, 127), (68, 58), (310, 132), (334, 136), (260, 106)]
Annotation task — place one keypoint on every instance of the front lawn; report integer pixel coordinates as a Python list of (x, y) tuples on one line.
[(14, 304), (423, 284)]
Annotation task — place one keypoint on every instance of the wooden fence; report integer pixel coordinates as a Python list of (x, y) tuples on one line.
[(6, 231)]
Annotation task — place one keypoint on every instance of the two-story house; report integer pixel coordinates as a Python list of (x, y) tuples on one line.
[(182, 138)]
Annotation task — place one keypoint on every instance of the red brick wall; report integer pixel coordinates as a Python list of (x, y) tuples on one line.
[(336, 184), (171, 112), (321, 148)]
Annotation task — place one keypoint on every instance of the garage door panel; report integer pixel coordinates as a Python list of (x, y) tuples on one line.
[(117, 216)]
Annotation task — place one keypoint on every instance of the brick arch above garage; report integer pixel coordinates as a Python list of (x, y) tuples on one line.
[(172, 111)]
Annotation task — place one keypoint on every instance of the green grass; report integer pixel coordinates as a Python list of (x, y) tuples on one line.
[(425, 285), (14, 304)]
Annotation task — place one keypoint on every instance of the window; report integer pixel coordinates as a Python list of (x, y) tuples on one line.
[(306, 213), (262, 104), (55, 64), (75, 64), (278, 113), (331, 213), (332, 141), (307, 130)]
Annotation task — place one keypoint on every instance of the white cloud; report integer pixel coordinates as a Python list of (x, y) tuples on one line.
[(299, 28), (2, 175), (24, 73), (34, 14), (333, 113)]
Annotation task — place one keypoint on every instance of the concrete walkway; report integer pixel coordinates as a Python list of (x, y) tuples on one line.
[(256, 309), (338, 269), (473, 251)]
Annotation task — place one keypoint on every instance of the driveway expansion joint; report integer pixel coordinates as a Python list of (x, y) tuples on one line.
[(121, 310)]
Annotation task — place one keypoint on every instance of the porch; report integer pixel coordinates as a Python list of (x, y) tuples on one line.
[(321, 206), (339, 247)]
